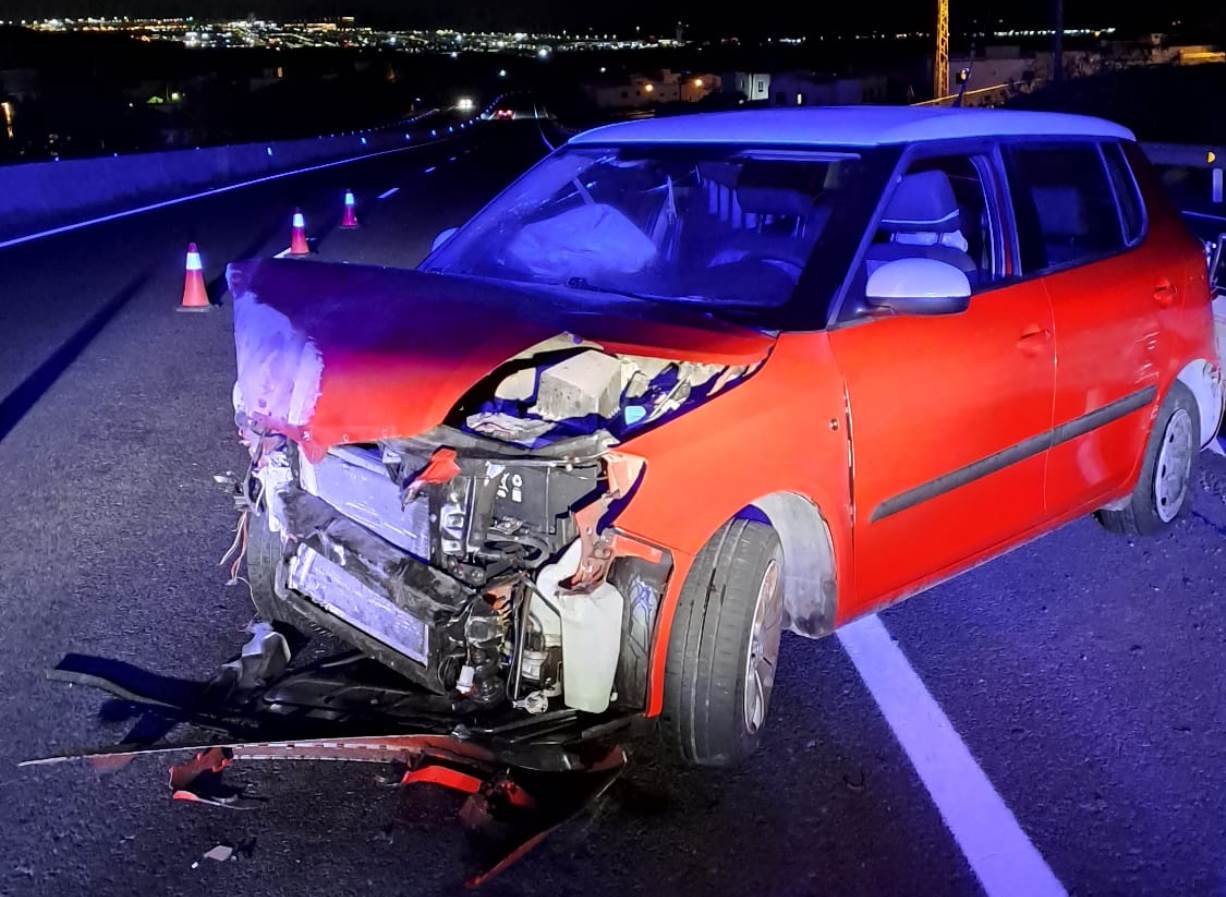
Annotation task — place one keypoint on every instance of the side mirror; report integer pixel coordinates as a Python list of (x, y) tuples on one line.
[(918, 286), (443, 237)]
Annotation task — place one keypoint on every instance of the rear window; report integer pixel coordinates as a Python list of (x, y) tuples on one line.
[(1132, 213), (1065, 206)]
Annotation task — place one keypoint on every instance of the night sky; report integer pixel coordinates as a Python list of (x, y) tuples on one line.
[(623, 15)]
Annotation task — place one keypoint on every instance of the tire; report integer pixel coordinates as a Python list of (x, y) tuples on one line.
[(1164, 485), (263, 557), (734, 590)]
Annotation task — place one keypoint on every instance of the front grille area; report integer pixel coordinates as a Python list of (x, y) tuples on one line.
[(339, 593), (354, 481)]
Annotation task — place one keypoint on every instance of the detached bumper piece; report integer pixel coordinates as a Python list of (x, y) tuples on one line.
[(523, 777)]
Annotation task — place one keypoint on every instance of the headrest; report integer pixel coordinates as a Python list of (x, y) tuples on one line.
[(767, 200), (778, 188), (923, 202), (1061, 210)]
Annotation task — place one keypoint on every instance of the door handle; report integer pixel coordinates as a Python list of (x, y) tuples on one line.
[(1033, 339), (1165, 293)]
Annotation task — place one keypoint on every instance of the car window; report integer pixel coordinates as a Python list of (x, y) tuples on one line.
[(938, 210), (1064, 204), (1132, 212), (761, 234)]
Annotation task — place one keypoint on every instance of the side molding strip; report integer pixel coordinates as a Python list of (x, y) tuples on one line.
[(1020, 451)]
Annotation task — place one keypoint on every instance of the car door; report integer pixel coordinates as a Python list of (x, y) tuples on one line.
[(1080, 230), (948, 412)]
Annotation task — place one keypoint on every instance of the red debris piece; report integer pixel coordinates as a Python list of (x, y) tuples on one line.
[(441, 469), (445, 776)]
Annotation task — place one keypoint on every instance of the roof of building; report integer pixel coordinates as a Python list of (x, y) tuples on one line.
[(850, 126)]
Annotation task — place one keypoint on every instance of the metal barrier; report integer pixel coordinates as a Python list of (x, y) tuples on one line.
[(1194, 176)]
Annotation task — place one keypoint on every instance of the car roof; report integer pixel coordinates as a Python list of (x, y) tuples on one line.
[(850, 126)]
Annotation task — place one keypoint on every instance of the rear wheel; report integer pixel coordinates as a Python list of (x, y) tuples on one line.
[(1166, 475), (724, 646)]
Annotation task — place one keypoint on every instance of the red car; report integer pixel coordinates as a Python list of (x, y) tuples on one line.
[(693, 381)]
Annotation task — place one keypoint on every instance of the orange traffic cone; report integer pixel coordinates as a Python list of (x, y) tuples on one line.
[(350, 221), (195, 296), (298, 240)]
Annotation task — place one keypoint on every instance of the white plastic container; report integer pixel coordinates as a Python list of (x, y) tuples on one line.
[(591, 628), (591, 640)]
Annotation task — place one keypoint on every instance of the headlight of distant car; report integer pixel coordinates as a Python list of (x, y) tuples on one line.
[(566, 387)]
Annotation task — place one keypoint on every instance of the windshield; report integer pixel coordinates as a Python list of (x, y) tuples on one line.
[(728, 227)]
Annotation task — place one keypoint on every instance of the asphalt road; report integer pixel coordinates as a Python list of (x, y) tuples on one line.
[(1084, 672)]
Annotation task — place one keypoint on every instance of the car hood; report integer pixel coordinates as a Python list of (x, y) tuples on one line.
[(335, 353)]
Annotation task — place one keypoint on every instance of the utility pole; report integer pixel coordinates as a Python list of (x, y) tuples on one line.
[(1057, 43), (940, 60)]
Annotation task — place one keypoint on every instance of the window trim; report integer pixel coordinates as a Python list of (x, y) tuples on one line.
[(997, 204), (1045, 142), (1142, 207)]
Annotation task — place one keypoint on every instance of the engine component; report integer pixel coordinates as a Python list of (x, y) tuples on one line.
[(479, 679), (585, 384)]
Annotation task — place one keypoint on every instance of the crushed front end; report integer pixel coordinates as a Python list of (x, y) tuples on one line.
[(438, 464), (486, 573)]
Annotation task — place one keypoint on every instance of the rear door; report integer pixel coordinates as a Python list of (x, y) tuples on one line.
[(948, 413), (1080, 226)]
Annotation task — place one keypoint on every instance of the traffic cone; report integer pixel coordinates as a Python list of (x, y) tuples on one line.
[(298, 240), (350, 220), (195, 296)]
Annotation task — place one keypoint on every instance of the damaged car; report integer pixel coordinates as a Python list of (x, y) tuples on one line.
[(690, 382)]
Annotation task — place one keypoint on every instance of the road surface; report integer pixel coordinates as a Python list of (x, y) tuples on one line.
[(1081, 680)]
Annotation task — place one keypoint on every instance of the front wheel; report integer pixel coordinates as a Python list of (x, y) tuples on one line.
[(1166, 475), (724, 646)]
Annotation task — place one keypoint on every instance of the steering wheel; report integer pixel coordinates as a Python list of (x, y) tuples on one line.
[(789, 266)]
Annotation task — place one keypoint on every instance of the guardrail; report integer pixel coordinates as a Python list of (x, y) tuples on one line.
[(1194, 176), (38, 199)]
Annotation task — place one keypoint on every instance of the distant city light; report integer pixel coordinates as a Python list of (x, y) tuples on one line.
[(502, 73), (543, 52)]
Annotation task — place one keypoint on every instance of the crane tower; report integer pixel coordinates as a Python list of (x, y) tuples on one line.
[(940, 60)]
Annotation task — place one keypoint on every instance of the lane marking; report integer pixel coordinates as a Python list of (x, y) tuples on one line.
[(388, 194), (1000, 854), (432, 168), (178, 200), (283, 253)]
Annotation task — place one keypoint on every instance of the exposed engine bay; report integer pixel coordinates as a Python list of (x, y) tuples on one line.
[(479, 559)]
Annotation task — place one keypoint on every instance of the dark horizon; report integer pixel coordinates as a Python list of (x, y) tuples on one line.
[(651, 17)]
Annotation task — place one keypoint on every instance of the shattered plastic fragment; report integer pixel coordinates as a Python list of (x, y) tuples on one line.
[(441, 469), (220, 853)]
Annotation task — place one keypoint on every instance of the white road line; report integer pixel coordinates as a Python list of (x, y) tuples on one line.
[(1004, 860), (388, 194), (283, 253), (432, 168)]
